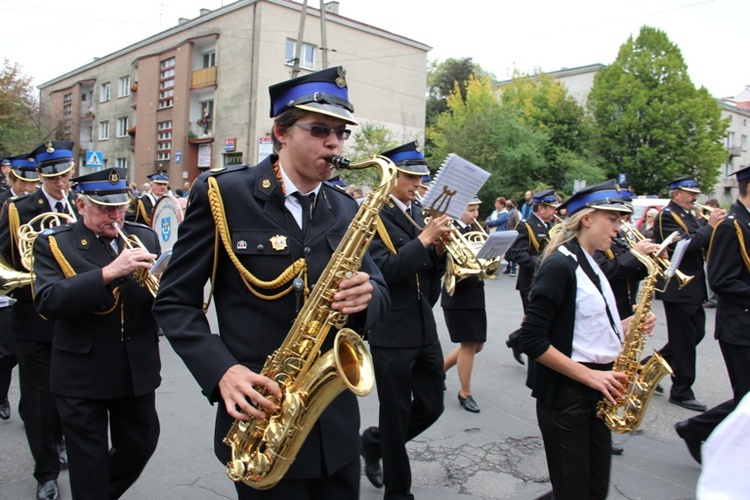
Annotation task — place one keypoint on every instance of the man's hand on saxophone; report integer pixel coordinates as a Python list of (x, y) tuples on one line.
[(354, 294), (242, 400)]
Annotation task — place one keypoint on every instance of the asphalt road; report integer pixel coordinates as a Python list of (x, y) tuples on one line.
[(496, 454)]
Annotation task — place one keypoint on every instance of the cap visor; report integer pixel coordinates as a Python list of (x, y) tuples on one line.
[(110, 199), (691, 190), (614, 207), (329, 110)]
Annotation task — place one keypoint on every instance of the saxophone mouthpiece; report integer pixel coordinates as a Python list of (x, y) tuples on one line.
[(338, 161)]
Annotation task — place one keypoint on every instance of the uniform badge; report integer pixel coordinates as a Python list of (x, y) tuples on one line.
[(114, 178), (41, 201), (278, 242), (266, 184), (242, 245), (84, 242), (341, 79)]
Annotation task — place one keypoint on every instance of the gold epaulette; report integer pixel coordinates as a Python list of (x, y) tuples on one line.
[(69, 272), (142, 210), (14, 221), (297, 269), (532, 237), (383, 233), (610, 254)]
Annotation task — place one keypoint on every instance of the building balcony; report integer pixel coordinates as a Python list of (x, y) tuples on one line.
[(198, 133), (734, 151), (205, 77)]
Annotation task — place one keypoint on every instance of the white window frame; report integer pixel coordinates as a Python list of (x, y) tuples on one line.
[(105, 92), (307, 54), (121, 163), (122, 126), (123, 86), (104, 130)]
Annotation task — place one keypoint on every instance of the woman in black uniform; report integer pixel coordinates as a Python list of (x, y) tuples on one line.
[(573, 334)]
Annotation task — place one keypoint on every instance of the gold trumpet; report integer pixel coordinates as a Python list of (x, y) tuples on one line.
[(704, 209), (634, 236), (144, 278)]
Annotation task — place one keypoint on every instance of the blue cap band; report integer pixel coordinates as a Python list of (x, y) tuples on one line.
[(88, 187), (592, 199), (406, 156), (312, 88), (687, 183), (545, 199), (58, 155)]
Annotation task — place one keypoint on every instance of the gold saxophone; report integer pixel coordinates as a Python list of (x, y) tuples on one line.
[(264, 449), (627, 414)]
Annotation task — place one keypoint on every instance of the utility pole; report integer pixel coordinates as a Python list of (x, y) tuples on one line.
[(323, 41), (300, 35)]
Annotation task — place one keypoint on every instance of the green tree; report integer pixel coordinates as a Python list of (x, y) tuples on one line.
[(371, 138), (19, 116), (491, 136), (544, 104), (651, 122), (441, 80)]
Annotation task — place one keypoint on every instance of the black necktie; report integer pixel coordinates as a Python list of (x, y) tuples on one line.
[(59, 207), (107, 242), (306, 201)]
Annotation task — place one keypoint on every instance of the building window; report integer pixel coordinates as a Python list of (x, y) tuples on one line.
[(743, 142), (122, 126), (123, 86), (730, 139), (164, 140), (103, 131), (727, 170), (166, 83), (121, 163), (306, 56), (105, 92), (209, 59)]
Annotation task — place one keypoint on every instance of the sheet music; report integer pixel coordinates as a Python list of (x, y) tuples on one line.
[(497, 244), (457, 182), (679, 253)]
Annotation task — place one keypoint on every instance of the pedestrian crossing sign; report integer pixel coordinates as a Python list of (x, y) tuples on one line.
[(94, 159)]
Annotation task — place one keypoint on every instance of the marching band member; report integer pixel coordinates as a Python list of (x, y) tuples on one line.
[(105, 352), (572, 335), (466, 318), (526, 249), (406, 352), (33, 333), (728, 266), (683, 307), (159, 186), (268, 231)]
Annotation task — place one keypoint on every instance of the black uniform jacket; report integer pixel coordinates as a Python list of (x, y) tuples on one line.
[(469, 293), (550, 320), (144, 209), (623, 271), (105, 343), (525, 253), (413, 276), (729, 276), (27, 324), (266, 240), (674, 218)]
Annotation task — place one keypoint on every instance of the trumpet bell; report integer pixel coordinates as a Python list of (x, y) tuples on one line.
[(10, 279)]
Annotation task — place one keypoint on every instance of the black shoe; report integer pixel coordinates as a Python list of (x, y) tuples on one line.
[(659, 389), (507, 271), (5, 409), (62, 453), (468, 403), (692, 441), (690, 404), (373, 469), (48, 490), (512, 343), (616, 450)]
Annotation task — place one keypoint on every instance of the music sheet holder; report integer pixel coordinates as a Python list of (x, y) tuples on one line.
[(497, 244)]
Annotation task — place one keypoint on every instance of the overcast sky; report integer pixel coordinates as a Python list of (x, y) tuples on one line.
[(50, 38)]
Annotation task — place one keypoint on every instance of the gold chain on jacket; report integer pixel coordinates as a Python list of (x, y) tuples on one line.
[(297, 269)]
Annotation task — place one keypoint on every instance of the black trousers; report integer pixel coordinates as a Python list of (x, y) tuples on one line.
[(577, 444), (8, 358), (341, 485), (686, 327), (98, 471), (410, 389), (41, 422), (737, 359)]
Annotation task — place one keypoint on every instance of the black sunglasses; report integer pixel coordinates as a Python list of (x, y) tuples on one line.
[(321, 132)]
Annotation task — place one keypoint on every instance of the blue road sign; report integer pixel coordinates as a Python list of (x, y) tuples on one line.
[(94, 159)]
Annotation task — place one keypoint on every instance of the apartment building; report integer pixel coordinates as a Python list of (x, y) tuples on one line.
[(579, 81), (195, 96)]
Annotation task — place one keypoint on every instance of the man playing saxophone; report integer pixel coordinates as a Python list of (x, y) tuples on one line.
[(105, 353), (264, 235)]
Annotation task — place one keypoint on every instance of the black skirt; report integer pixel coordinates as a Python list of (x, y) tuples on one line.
[(466, 325)]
